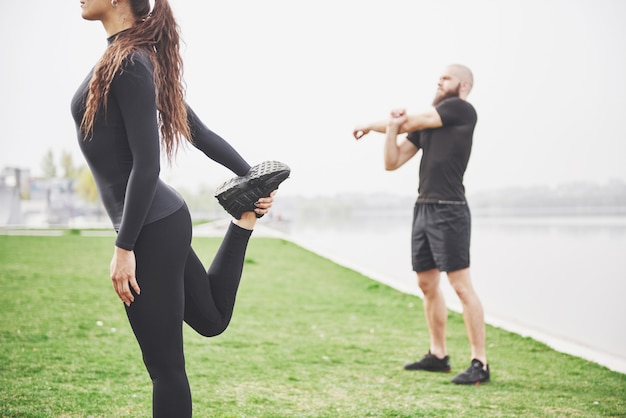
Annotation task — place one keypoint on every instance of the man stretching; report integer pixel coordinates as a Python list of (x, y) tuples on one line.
[(441, 217)]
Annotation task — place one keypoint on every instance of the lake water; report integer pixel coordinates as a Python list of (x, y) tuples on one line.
[(559, 280)]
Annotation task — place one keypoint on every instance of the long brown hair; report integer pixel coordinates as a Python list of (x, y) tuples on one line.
[(158, 33)]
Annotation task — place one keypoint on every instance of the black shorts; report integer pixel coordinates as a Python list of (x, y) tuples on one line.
[(441, 237)]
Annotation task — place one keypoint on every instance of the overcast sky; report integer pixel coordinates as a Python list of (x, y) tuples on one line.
[(288, 80)]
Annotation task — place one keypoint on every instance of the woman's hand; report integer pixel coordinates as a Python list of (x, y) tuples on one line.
[(123, 275), (264, 204), (248, 219)]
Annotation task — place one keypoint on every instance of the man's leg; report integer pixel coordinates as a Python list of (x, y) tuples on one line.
[(435, 310), (473, 314)]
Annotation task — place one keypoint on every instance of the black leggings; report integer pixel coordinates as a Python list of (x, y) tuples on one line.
[(175, 287)]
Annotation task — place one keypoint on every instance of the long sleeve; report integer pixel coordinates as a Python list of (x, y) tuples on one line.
[(214, 146), (133, 91)]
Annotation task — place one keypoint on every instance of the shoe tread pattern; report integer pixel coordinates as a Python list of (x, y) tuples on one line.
[(239, 194)]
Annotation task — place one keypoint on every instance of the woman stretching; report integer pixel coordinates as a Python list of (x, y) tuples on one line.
[(130, 105)]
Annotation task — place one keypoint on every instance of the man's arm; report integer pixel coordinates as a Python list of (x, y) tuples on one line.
[(427, 119), (361, 130), (397, 153)]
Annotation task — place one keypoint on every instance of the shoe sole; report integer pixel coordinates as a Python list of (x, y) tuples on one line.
[(270, 172), (428, 370), (430, 363), (478, 383), (239, 194)]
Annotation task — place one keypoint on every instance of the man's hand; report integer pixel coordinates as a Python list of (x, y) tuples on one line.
[(397, 113), (360, 131), (380, 126), (397, 118), (123, 275)]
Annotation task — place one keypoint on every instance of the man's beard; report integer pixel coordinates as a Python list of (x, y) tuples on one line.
[(440, 97)]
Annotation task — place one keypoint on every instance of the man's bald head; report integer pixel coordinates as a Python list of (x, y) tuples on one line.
[(465, 76), (456, 80)]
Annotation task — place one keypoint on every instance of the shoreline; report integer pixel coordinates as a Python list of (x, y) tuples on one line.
[(612, 362), (608, 360), (218, 228)]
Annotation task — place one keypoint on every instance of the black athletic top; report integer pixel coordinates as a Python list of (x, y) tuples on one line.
[(446, 151), (123, 152)]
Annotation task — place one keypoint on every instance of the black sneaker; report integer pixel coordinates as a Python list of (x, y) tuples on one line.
[(430, 363), (239, 194), (474, 375)]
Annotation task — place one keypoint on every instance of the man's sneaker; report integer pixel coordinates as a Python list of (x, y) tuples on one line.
[(239, 194), (474, 375), (430, 363)]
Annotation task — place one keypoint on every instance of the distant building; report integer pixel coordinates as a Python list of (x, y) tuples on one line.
[(14, 186), (43, 202)]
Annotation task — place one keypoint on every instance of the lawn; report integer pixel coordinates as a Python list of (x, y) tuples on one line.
[(309, 338)]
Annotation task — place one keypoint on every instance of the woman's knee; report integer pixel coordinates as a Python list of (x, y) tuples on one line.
[(164, 365), (211, 332), (208, 328)]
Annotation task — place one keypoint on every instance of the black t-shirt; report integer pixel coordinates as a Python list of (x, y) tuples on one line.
[(124, 153), (445, 152)]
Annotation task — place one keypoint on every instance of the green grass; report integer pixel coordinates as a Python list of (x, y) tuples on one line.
[(309, 338)]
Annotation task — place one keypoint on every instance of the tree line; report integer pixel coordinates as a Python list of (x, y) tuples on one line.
[(82, 179)]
